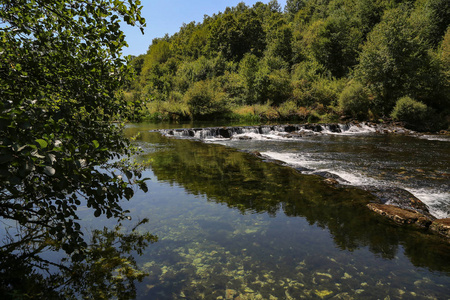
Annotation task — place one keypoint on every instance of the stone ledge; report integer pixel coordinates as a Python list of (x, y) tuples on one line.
[(400, 198), (401, 215), (441, 226)]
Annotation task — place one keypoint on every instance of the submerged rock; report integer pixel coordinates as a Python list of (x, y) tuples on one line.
[(441, 226), (256, 153), (323, 293), (245, 137), (230, 293), (400, 215), (303, 169), (329, 175), (331, 181), (400, 198)]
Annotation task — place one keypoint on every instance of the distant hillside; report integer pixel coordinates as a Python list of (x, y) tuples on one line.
[(313, 60)]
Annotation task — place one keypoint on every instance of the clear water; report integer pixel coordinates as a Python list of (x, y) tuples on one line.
[(419, 165), (231, 225)]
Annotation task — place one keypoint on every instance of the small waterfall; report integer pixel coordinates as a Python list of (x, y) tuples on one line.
[(265, 129), (204, 133), (251, 130), (177, 132), (229, 132), (344, 127)]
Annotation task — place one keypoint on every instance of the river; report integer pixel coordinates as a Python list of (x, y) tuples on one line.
[(232, 225)]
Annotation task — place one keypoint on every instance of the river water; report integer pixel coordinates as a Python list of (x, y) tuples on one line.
[(232, 225)]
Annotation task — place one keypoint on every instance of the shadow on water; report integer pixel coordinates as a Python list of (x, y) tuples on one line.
[(245, 183)]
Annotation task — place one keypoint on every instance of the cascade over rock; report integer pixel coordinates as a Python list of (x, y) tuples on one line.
[(289, 130), (400, 198)]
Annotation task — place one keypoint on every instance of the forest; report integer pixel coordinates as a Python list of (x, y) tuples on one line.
[(311, 61)]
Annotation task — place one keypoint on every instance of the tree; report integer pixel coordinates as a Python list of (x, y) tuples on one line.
[(60, 69), (280, 43), (333, 42), (431, 19), (293, 6), (395, 62), (205, 99), (354, 100), (248, 69), (236, 33)]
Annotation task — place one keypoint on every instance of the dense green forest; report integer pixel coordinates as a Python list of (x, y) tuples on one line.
[(313, 60)]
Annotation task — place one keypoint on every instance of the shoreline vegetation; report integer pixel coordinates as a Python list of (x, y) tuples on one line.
[(311, 61)]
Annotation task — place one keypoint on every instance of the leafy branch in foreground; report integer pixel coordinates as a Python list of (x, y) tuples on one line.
[(60, 70)]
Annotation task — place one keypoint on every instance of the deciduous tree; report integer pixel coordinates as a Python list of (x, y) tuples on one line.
[(60, 69)]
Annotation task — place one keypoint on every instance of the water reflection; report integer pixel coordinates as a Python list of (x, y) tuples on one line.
[(279, 242)]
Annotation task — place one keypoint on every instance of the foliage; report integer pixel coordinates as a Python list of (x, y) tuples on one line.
[(445, 55), (354, 100), (308, 53), (60, 69), (319, 90), (236, 33), (203, 98), (409, 110), (293, 6), (395, 61)]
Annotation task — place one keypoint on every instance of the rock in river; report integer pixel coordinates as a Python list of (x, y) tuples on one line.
[(400, 215), (400, 198), (441, 226)]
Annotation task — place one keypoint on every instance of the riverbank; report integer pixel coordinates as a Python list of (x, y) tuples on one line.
[(158, 111)]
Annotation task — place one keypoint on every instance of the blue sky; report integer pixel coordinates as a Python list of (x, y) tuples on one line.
[(168, 16)]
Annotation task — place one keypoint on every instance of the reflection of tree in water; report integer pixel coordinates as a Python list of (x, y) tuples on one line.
[(242, 182), (106, 269)]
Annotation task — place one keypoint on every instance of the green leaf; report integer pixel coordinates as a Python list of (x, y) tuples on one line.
[(96, 144), (42, 143), (144, 187)]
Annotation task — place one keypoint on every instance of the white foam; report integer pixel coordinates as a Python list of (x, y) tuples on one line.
[(436, 201), (442, 138), (271, 135), (351, 129), (357, 179), (293, 159)]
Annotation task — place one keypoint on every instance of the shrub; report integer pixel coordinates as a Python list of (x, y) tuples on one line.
[(410, 111), (288, 109), (314, 117), (266, 111), (245, 113), (273, 86), (354, 100), (205, 99), (321, 90)]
